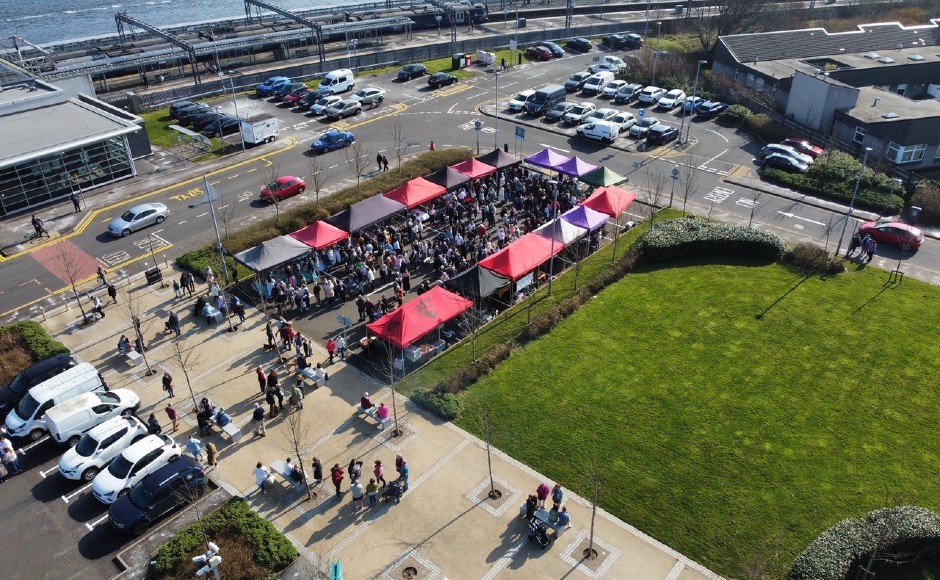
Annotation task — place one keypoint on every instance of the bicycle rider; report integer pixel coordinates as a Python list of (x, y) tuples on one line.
[(37, 225)]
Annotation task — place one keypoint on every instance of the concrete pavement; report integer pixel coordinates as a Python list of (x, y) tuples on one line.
[(445, 525)]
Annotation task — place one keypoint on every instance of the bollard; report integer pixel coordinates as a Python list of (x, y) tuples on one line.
[(166, 264), (43, 310), (65, 300)]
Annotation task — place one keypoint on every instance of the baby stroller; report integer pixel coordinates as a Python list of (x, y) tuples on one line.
[(538, 533), (394, 490)]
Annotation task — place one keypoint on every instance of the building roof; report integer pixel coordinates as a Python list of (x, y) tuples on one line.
[(876, 105), (813, 42), (57, 127)]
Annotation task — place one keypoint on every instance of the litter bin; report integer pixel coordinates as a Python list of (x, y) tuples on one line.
[(467, 60), (153, 275), (457, 60), (520, 23), (913, 214), (679, 8)]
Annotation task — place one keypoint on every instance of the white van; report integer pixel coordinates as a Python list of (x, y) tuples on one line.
[(338, 81), (596, 83), (600, 130), (29, 416), (68, 421)]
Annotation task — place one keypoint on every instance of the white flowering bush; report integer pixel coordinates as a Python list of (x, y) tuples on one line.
[(691, 237), (839, 550)]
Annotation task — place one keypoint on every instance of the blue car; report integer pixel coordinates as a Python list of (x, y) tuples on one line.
[(332, 140), (268, 87)]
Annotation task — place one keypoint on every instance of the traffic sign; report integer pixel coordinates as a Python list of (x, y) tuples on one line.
[(520, 133), (344, 320), (642, 113)]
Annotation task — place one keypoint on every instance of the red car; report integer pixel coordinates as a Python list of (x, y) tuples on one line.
[(539, 53), (282, 188), (295, 96), (893, 233), (804, 146)]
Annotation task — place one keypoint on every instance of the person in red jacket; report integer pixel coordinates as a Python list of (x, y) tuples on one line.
[(336, 475)]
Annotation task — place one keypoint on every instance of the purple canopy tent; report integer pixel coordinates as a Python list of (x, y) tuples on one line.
[(575, 167), (547, 159), (585, 217)]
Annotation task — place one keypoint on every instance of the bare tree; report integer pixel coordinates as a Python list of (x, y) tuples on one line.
[(70, 265), (755, 202), (259, 288), (297, 437), (132, 308), (186, 358), (357, 160), (689, 182), (471, 322), (397, 130), (316, 180), (714, 18), (390, 362), (269, 174), (656, 182), (830, 226), (486, 429), (226, 215), (595, 498), (711, 210)]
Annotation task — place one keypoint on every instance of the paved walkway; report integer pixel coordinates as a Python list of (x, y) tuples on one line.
[(445, 526)]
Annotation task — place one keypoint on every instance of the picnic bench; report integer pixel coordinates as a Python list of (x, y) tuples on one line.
[(374, 413), (233, 431), (134, 358), (215, 313), (278, 466)]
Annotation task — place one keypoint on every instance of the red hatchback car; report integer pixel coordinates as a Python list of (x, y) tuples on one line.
[(282, 188), (539, 53), (893, 233), (804, 147)]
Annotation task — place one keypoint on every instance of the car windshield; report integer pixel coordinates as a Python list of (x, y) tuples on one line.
[(141, 496), (128, 216), (520, 97), (27, 406), (330, 137), (577, 110), (274, 186), (560, 107), (86, 445), (648, 122), (120, 467)]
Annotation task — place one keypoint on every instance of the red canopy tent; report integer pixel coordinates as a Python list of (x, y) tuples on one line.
[(409, 323), (473, 168), (319, 235), (522, 256), (611, 200), (416, 192)]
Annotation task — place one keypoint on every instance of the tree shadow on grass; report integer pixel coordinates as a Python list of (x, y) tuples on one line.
[(888, 285), (761, 315)]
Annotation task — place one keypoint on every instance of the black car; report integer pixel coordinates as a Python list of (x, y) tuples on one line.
[(157, 494), (577, 80), (441, 79), (11, 394), (661, 134), (312, 97), (557, 51), (199, 122), (287, 89), (558, 111), (412, 71), (633, 40), (189, 113), (710, 109), (579, 44), (224, 126), (614, 41), (178, 106)]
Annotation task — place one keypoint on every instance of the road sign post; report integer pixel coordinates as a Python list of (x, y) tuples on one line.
[(345, 321)]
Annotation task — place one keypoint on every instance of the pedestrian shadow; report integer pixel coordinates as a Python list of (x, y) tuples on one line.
[(510, 539), (761, 315)]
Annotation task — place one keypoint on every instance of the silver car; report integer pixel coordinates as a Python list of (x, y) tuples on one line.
[(344, 109), (138, 217)]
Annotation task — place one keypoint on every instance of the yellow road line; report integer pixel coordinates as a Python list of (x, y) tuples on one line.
[(397, 109)]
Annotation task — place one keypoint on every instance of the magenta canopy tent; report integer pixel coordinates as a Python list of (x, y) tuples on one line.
[(547, 159), (585, 217), (575, 167), (474, 169)]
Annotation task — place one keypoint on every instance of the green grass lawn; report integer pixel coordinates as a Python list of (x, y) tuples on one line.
[(735, 411)]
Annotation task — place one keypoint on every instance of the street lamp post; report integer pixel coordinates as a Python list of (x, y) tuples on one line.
[(858, 183), (209, 197), (478, 125), (438, 18), (496, 121), (659, 29), (646, 28), (694, 91), (235, 104)]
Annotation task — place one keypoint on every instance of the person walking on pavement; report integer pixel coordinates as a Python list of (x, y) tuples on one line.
[(341, 347), (262, 379), (331, 348), (194, 446), (378, 159), (173, 414), (357, 494), (854, 244), (190, 283), (372, 490), (317, 471), (37, 225), (102, 277), (271, 401), (8, 453), (405, 475), (336, 476), (153, 425), (76, 201), (211, 453), (379, 472), (112, 292), (299, 394), (399, 463), (258, 417), (384, 163), (262, 474), (97, 307), (269, 331), (174, 323), (168, 385), (361, 307), (870, 249)]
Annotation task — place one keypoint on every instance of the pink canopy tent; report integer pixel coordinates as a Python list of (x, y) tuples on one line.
[(474, 169), (416, 192), (522, 256), (420, 316), (319, 235), (610, 200)]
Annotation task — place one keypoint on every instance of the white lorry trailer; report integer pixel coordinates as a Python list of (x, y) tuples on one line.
[(260, 129)]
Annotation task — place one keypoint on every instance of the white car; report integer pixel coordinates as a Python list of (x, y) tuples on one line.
[(614, 61), (671, 100), (651, 94), (787, 151), (68, 421), (99, 446), (518, 102), (370, 95), (324, 103), (139, 216), (603, 114), (579, 113), (612, 87), (598, 130), (623, 120), (603, 67), (640, 129), (140, 459)]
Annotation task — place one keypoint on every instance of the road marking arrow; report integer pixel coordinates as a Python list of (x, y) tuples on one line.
[(794, 216)]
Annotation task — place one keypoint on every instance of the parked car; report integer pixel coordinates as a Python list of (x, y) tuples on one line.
[(627, 93), (284, 90), (187, 115), (614, 41), (538, 53), (576, 81), (332, 140), (11, 394), (597, 82), (579, 113), (623, 121), (68, 421), (660, 134), (282, 188), (604, 67), (612, 87), (671, 100), (642, 127), (343, 109), (224, 126), (603, 114), (95, 450), (186, 108), (370, 95), (268, 87), (178, 106), (894, 233), (633, 40), (324, 103), (199, 121), (138, 217), (784, 162), (784, 150), (692, 103), (158, 494), (133, 464), (803, 146), (517, 103), (412, 71), (651, 94), (615, 61), (295, 96), (558, 111), (579, 45), (441, 79), (710, 109), (557, 51), (312, 97), (599, 130)]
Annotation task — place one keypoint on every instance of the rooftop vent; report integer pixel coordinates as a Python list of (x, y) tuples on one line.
[(915, 57), (877, 100), (886, 60), (872, 55), (889, 116)]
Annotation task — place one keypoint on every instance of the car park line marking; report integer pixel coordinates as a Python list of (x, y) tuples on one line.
[(251, 170), (476, 96), (202, 214), (95, 523), (712, 159), (236, 176), (181, 223), (66, 498), (720, 135), (555, 148), (334, 166), (43, 474), (796, 217), (23, 450)]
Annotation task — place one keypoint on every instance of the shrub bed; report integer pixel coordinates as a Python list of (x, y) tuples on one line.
[(927, 197), (811, 259), (444, 405), (23, 344), (691, 237), (734, 115), (272, 550), (765, 129), (848, 545)]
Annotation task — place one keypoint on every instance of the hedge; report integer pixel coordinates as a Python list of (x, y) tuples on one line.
[(692, 237), (444, 405), (35, 339), (811, 259), (734, 115), (272, 548), (849, 544), (927, 197)]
